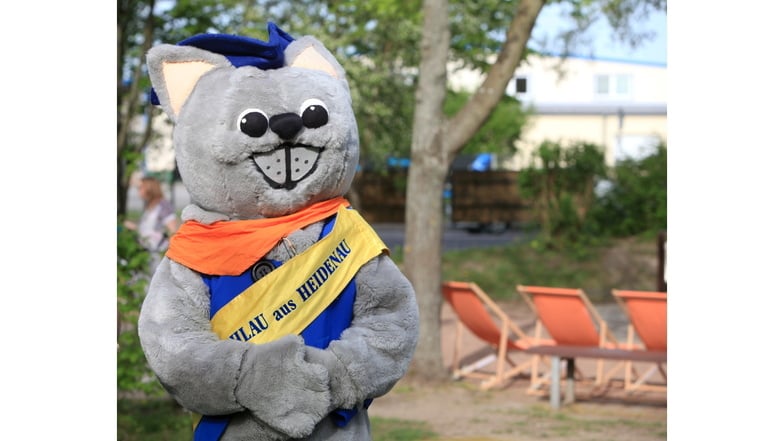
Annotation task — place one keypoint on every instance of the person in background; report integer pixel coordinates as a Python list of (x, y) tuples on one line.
[(158, 220)]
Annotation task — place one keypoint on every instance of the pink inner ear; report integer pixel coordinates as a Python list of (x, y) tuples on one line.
[(311, 59), (180, 79)]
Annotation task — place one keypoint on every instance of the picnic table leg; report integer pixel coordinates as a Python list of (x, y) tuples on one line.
[(555, 382), (569, 393)]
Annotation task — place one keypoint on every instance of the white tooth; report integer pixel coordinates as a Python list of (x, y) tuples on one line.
[(303, 159), (273, 165)]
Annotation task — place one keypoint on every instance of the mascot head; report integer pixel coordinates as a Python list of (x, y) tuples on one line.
[(261, 129)]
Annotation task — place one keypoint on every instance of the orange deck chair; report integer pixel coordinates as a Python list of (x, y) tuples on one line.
[(571, 319), (647, 314), (477, 312)]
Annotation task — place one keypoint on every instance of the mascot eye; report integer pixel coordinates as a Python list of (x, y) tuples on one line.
[(253, 122), (314, 113)]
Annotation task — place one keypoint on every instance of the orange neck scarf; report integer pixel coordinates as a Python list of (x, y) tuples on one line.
[(230, 247)]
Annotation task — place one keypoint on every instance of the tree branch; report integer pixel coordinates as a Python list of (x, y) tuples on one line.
[(478, 108)]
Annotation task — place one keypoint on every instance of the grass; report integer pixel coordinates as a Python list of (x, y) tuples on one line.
[(165, 420), (546, 423), (158, 419), (389, 429), (596, 269)]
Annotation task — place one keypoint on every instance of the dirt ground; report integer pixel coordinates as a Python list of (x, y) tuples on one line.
[(459, 410)]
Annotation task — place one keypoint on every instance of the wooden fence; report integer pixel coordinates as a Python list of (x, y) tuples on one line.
[(483, 197), (382, 198), (488, 197)]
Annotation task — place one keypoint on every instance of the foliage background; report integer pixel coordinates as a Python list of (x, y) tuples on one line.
[(572, 208)]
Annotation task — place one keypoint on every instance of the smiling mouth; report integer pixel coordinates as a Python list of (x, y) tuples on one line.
[(288, 164)]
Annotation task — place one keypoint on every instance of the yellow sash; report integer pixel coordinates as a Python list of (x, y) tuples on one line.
[(289, 298), (286, 300)]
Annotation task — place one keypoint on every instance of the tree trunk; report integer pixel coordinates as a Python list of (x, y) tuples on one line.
[(435, 143), (126, 110), (424, 191)]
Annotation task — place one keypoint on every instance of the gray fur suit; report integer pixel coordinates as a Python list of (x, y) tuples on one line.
[(283, 389)]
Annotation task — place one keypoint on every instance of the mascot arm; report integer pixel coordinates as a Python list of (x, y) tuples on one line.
[(216, 377), (375, 351)]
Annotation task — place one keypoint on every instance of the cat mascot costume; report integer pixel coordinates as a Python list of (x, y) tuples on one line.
[(277, 312)]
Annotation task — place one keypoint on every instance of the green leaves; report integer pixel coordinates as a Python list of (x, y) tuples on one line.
[(637, 200), (502, 128), (561, 182), (133, 373), (563, 185)]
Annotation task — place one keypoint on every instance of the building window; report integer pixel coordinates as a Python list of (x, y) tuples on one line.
[(602, 84), (521, 85), (623, 85), (613, 86)]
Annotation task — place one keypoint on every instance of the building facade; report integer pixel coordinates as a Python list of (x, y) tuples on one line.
[(618, 105)]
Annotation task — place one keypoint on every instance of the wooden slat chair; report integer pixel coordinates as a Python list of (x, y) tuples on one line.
[(647, 314), (571, 319), (478, 313)]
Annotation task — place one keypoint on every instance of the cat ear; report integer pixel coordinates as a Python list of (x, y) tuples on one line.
[(309, 53), (174, 71)]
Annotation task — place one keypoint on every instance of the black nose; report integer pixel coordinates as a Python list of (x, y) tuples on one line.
[(286, 125)]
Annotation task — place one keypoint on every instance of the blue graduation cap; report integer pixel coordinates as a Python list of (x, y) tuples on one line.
[(241, 50)]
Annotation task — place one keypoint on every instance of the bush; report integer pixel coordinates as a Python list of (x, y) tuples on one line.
[(561, 182), (133, 373), (636, 202)]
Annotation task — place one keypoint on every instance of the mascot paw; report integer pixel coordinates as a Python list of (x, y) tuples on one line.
[(283, 390)]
